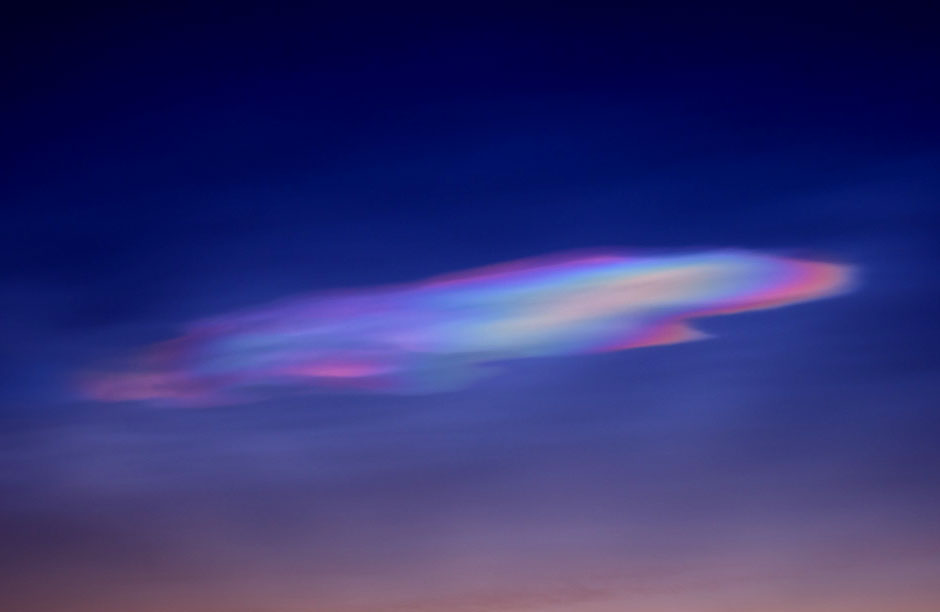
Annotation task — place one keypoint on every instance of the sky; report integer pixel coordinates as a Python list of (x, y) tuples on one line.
[(165, 166)]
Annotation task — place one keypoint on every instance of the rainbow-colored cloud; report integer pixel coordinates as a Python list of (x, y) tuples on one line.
[(435, 333)]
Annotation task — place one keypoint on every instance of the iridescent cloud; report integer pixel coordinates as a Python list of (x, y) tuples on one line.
[(435, 334)]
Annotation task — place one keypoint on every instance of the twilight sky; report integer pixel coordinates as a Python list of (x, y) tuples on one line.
[(167, 166)]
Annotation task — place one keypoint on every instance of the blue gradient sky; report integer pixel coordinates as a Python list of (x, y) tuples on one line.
[(165, 165)]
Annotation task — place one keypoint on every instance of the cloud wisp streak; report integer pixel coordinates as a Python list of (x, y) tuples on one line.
[(441, 333)]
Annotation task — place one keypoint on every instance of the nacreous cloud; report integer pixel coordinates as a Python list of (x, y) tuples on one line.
[(434, 334)]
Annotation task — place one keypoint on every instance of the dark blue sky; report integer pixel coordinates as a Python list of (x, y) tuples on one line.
[(166, 165)]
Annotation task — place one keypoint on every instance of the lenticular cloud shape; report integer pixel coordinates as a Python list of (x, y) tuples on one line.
[(436, 334)]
